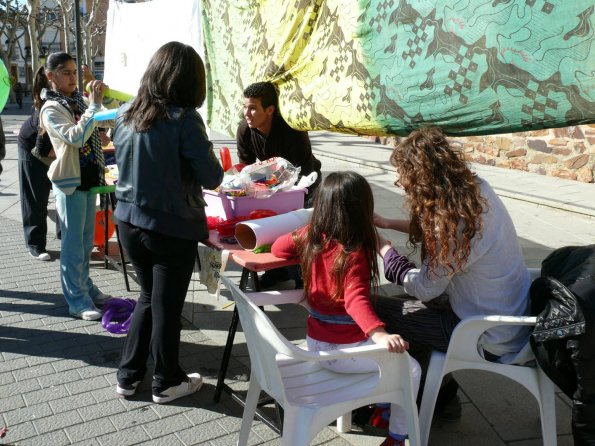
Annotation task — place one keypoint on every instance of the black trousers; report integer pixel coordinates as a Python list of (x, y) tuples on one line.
[(426, 327), (164, 268), (35, 187)]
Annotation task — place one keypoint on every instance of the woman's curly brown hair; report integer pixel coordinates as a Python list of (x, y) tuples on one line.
[(443, 196)]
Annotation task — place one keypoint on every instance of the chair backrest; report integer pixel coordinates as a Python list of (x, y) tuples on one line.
[(464, 341), (463, 345), (264, 342)]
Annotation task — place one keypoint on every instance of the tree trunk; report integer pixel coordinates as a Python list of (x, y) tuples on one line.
[(33, 6), (88, 35), (66, 10)]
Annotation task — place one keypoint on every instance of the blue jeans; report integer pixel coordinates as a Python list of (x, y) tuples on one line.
[(76, 213)]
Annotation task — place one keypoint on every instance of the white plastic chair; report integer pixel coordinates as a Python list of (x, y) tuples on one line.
[(295, 297), (463, 353), (312, 396)]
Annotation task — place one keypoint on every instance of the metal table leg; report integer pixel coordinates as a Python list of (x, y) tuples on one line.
[(112, 199)]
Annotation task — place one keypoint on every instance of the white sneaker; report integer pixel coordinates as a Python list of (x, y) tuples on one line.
[(102, 298), (127, 389), (44, 256), (193, 383), (91, 314)]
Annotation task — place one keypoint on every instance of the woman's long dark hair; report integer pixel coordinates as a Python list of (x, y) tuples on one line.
[(54, 62), (343, 213), (443, 196), (175, 76)]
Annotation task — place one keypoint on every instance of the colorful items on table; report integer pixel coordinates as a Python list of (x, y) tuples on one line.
[(261, 179)]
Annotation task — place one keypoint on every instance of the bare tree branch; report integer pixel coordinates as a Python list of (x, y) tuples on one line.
[(67, 7)]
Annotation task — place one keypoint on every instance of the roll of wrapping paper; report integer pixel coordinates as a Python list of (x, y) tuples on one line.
[(252, 234), (115, 94)]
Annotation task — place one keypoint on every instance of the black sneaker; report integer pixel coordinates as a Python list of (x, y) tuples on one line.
[(451, 411), (273, 276), (448, 405), (40, 254)]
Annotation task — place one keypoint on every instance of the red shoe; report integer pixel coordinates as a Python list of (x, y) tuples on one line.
[(379, 418), (390, 441)]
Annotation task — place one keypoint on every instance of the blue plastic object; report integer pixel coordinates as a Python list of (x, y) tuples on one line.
[(106, 115)]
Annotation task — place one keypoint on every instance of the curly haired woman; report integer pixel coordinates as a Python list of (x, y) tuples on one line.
[(471, 257)]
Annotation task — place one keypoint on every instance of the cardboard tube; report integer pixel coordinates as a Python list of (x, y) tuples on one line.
[(254, 233)]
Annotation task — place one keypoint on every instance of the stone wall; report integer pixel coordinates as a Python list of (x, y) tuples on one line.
[(567, 152)]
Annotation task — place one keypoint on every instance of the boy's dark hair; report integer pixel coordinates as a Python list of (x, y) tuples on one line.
[(266, 92)]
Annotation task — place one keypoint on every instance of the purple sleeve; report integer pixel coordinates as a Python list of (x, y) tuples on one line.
[(396, 266)]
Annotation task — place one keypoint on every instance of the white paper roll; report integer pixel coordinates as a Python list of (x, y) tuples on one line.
[(254, 233)]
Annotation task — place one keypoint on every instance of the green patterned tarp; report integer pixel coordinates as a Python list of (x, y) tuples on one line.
[(381, 67)]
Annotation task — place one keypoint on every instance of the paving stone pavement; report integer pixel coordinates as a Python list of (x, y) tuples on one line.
[(57, 374)]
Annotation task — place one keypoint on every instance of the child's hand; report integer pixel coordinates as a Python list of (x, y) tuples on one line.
[(383, 245), (96, 89), (394, 343), (87, 76)]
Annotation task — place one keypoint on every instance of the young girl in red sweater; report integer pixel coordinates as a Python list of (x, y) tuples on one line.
[(338, 259)]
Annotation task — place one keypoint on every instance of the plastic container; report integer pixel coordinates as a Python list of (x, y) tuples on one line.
[(225, 158), (220, 205)]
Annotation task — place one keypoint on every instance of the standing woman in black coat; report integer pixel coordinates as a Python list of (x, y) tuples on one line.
[(164, 160)]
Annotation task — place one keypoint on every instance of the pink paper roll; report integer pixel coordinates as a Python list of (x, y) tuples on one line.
[(254, 233)]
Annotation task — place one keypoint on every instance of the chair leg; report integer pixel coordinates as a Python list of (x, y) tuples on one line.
[(249, 410), (430, 394), (297, 427), (547, 409), (344, 423), (413, 427)]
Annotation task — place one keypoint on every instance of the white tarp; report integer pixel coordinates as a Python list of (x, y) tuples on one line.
[(136, 30)]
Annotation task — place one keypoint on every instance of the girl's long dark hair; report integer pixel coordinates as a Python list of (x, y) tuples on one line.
[(443, 196), (175, 76), (343, 213), (54, 62)]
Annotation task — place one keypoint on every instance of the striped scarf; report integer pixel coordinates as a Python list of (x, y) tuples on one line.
[(91, 152)]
